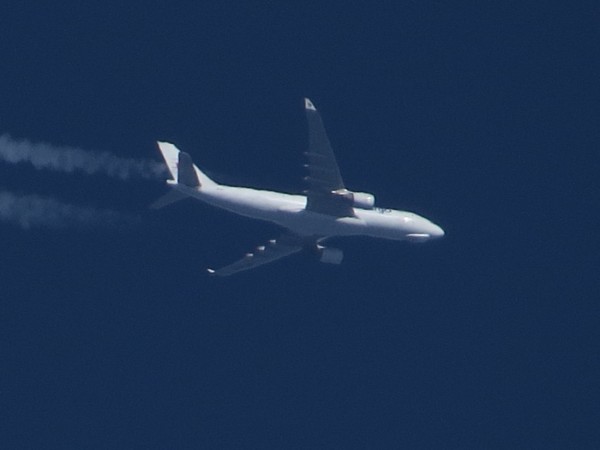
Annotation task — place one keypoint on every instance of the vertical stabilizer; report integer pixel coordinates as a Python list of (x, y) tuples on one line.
[(186, 174), (171, 156), (181, 167)]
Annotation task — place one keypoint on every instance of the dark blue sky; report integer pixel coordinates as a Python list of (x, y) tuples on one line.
[(478, 115)]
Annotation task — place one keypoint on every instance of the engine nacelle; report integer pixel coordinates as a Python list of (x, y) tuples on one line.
[(330, 255), (363, 200)]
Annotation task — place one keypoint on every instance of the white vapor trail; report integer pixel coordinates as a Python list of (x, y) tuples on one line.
[(69, 159), (29, 211)]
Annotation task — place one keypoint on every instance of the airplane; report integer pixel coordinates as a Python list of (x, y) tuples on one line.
[(326, 209)]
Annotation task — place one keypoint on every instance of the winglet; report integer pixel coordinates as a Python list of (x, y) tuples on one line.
[(309, 105)]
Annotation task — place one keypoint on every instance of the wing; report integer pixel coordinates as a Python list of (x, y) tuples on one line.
[(275, 249), (325, 185)]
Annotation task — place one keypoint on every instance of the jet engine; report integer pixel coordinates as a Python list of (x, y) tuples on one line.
[(362, 200), (330, 255)]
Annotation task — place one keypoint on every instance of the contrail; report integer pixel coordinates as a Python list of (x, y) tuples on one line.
[(69, 159), (27, 211)]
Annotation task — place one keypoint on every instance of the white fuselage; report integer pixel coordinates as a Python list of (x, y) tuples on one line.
[(289, 211)]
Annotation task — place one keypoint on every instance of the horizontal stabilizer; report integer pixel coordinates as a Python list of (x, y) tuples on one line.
[(168, 199)]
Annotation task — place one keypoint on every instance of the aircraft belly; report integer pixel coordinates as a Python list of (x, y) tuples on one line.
[(307, 223), (289, 212), (256, 204)]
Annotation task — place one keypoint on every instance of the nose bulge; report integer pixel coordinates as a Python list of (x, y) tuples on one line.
[(435, 231)]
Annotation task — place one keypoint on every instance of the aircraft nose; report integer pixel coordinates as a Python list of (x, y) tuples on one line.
[(436, 231)]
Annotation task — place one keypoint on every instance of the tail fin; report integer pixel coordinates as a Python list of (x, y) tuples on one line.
[(171, 156), (182, 171), (181, 167)]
